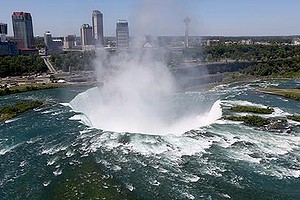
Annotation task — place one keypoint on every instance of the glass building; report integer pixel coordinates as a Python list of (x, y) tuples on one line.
[(97, 23), (122, 34), (3, 32), (23, 30), (86, 32)]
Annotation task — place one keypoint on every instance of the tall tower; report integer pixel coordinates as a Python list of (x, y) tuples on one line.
[(86, 32), (186, 20), (97, 23), (48, 41), (122, 34), (23, 29), (3, 32)]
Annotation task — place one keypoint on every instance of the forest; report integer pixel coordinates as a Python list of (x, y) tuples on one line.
[(239, 52), (268, 60), (21, 65), (73, 61)]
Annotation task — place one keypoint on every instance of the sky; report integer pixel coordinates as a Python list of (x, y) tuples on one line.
[(161, 17)]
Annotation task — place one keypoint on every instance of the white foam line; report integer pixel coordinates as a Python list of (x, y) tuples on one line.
[(11, 120), (9, 149)]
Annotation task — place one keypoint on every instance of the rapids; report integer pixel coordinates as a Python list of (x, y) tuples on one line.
[(57, 152)]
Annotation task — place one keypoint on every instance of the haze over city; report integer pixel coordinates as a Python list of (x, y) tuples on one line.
[(216, 17)]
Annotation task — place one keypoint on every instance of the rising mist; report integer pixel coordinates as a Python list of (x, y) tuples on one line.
[(138, 88)]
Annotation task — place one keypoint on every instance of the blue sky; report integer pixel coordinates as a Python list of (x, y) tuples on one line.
[(162, 17)]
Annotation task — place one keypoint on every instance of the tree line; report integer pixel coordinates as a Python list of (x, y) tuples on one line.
[(74, 61), (21, 65), (289, 67), (269, 60), (255, 52)]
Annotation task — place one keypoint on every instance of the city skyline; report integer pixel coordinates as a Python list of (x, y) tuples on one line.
[(214, 17)]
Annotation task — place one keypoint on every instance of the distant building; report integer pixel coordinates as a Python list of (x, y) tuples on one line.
[(86, 32), (186, 20), (148, 43), (296, 41), (78, 41), (48, 41), (57, 44), (97, 23), (3, 32), (28, 52), (246, 42), (122, 34), (23, 30), (212, 42), (3, 28), (69, 41), (8, 49)]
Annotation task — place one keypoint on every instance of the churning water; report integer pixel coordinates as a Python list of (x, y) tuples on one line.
[(188, 152), (181, 113)]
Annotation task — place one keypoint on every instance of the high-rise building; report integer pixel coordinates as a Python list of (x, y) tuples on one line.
[(69, 41), (3, 32), (186, 20), (86, 32), (122, 34), (48, 41), (97, 23), (8, 49), (23, 29)]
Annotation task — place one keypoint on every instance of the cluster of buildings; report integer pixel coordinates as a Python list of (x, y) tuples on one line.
[(91, 36), (6, 47)]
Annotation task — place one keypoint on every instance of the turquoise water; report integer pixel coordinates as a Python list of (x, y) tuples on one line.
[(53, 153)]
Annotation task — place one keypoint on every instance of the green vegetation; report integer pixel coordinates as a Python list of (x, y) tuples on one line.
[(268, 60), (252, 109), (294, 117), (21, 65), (289, 67), (239, 52), (39, 42), (73, 61), (273, 60), (26, 88), (252, 120), (288, 93), (8, 112)]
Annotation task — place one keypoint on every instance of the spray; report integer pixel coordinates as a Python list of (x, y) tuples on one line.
[(138, 88)]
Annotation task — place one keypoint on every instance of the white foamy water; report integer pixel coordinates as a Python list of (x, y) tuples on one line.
[(101, 114)]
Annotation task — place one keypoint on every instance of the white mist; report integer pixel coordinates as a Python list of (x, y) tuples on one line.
[(136, 97), (138, 88)]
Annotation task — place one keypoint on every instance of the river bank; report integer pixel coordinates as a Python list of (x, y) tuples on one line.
[(12, 111), (285, 92)]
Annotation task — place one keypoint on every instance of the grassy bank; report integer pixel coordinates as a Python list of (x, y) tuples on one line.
[(294, 117), (249, 120), (27, 88), (11, 111), (252, 109), (288, 93)]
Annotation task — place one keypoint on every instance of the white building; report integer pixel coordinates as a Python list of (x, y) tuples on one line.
[(296, 41), (122, 34), (86, 32), (97, 25), (69, 41)]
